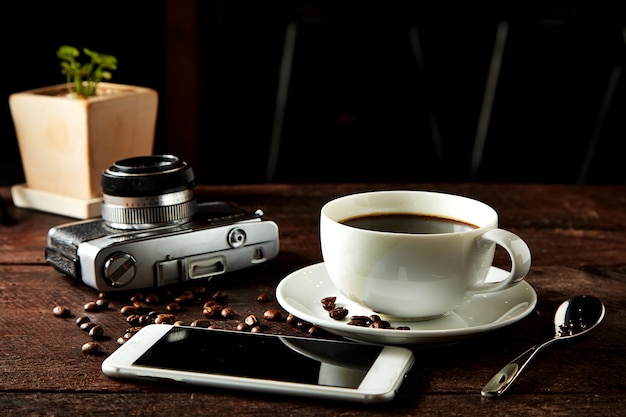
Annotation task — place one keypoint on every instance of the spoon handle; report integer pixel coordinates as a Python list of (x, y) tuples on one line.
[(502, 380)]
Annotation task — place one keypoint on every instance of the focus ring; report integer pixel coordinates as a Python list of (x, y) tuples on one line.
[(141, 217)]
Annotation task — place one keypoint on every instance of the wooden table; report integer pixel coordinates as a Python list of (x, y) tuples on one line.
[(577, 235)]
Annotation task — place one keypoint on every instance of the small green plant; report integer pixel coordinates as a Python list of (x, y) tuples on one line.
[(83, 79)]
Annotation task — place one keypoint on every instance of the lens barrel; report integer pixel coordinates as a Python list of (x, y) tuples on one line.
[(148, 191)]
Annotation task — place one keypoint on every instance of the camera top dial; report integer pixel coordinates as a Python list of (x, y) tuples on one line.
[(148, 191)]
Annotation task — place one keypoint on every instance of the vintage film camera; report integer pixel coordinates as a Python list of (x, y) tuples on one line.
[(153, 232)]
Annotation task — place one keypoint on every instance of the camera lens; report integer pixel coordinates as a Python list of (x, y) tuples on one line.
[(147, 191)]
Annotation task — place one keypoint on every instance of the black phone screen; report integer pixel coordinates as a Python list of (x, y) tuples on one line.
[(280, 358)]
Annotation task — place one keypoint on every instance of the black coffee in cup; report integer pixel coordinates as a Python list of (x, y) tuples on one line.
[(408, 223)]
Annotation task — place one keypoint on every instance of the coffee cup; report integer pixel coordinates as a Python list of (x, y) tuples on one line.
[(415, 255)]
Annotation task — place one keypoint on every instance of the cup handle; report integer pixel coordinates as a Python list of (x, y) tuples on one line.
[(520, 260)]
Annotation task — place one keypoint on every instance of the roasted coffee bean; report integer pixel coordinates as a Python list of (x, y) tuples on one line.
[(92, 348), (303, 326), (61, 311), (122, 339), (328, 303), (145, 320), (255, 329), (91, 306), (212, 311), (133, 319), (375, 317), (185, 297), (102, 295), (360, 321), (102, 303), (376, 322), (133, 330), (96, 332), (82, 319), (200, 323), (273, 315), (227, 313), (251, 320), (338, 313), (312, 330), (298, 323), (165, 319), (242, 327), (209, 303), (87, 326), (179, 323), (173, 307), (380, 325), (220, 296), (262, 298), (141, 306), (291, 319), (136, 297), (151, 299), (129, 310)]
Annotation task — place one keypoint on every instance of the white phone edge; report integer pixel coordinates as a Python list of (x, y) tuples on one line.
[(379, 385)]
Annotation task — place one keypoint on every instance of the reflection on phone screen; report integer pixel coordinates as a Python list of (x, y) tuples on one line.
[(301, 360)]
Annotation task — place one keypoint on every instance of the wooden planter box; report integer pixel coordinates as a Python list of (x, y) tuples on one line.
[(66, 143)]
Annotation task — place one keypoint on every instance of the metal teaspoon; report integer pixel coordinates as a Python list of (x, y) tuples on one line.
[(573, 318)]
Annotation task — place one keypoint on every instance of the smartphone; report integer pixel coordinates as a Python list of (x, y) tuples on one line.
[(304, 366)]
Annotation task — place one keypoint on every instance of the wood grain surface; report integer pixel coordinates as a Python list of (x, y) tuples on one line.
[(576, 235)]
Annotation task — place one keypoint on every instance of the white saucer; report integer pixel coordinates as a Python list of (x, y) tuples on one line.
[(301, 292)]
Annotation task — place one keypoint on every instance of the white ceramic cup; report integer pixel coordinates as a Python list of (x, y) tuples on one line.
[(415, 276)]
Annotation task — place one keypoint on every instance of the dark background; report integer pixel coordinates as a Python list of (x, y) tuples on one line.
[(364, 104)]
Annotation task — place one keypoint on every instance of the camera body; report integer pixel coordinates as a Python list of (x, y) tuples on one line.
[(144, 241), (220, 238)]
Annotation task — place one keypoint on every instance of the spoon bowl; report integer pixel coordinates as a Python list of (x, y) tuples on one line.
[(573, 318), (577, 316)]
